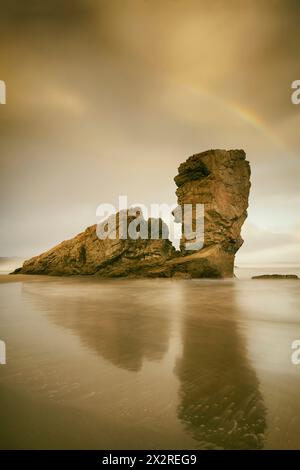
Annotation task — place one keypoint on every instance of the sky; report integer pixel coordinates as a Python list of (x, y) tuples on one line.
[(107, 98)]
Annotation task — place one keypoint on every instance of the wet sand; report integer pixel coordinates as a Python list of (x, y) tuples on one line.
[(5, 278), (149, 363)]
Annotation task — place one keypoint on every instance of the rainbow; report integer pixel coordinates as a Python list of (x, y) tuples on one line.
[(247, 116)]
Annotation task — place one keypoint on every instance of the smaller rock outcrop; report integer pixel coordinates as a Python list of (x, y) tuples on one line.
[(86, 254), (276, 276)]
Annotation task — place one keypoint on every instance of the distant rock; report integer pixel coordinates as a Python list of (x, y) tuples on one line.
[(276, 276), (219, 179)]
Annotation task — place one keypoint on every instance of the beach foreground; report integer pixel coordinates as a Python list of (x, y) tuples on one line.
[(149, 363)]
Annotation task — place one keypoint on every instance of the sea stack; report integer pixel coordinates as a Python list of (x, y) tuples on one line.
[(220, 180), (217, 179)]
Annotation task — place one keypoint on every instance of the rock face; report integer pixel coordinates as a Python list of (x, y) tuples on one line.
[(217, 179), (87, 254), (220, 180)]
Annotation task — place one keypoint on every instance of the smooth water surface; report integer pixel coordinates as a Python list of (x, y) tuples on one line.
[(149, 363)]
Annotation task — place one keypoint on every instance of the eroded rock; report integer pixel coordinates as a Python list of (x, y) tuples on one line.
[(86, 254), (219, 179)]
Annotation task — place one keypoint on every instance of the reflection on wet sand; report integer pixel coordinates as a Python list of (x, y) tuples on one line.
[(220, 401), (118, 324), (220, 404)]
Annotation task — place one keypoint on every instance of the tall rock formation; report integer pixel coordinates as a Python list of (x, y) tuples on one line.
[(217, 179), (220, 180)]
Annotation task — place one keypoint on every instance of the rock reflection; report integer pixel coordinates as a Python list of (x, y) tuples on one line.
[(128, 322), (220, 401), (112, 319)]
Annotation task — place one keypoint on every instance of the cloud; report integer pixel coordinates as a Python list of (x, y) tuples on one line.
[(262, 246), (107, 98)]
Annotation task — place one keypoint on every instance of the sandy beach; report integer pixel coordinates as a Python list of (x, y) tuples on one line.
[(149, 363)]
